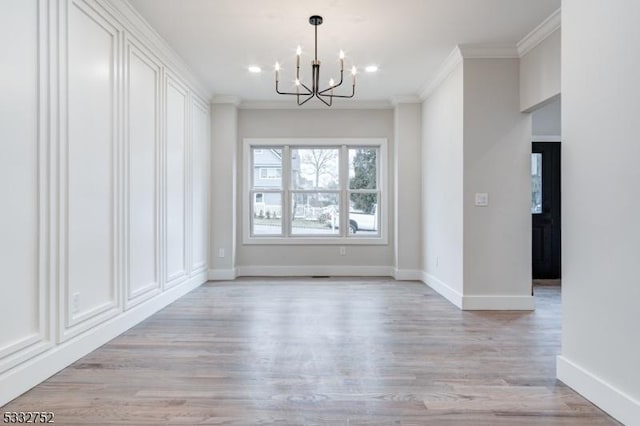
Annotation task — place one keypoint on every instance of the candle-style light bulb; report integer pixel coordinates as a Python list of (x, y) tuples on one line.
[(297, 82), (299, 50), (331, 82), (298, 53), (277, 71), (341, 54), (341, 60), (353, 74)]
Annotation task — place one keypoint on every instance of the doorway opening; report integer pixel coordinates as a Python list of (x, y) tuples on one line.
[(545, 211), (545, 195)]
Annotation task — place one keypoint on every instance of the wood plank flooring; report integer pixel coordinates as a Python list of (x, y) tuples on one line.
[(322, 352)]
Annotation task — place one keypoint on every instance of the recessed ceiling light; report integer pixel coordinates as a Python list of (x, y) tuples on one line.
[(254, 69), (371, 68)]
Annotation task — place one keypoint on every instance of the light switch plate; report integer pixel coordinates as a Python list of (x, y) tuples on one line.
[(482, 199)]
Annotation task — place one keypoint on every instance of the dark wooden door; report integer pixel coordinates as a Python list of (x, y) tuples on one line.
[(545, 209)]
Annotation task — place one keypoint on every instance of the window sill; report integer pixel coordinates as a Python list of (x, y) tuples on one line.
[(316, 241)]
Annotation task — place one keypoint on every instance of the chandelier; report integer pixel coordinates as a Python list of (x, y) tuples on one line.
[(303, 92)]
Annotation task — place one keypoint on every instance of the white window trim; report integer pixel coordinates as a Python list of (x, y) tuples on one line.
[(383, 202)]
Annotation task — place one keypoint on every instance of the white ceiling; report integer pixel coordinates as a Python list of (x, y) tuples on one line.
[(407, 39)]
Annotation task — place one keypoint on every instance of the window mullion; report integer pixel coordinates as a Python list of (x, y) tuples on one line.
[(286, 191), (344, 185)]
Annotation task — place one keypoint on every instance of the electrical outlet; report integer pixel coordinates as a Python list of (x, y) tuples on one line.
[(482, 199), (220, 252), (343, 251), (75, 303)]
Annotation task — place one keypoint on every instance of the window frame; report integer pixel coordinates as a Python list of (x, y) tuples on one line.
[(286, 237)]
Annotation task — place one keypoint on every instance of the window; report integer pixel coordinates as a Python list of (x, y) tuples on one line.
[(536, 183), (315, 191)]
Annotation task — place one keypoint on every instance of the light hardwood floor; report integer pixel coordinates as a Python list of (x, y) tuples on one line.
[(322, 352)]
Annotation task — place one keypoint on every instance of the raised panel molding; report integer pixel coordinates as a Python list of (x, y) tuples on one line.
[(20, 349), (72, 213), (141, 246), (175, 162), (90, 220)]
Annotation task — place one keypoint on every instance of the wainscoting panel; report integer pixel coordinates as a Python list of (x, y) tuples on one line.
[(176, 194), (142, 156), (24, 330), (90, 185), (97, 181)]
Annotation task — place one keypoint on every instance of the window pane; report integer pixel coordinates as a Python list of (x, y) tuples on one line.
[(267, 214), (314, 214), (363, 168), (267, 168), (536, 183), (314, 168), (363, 214)]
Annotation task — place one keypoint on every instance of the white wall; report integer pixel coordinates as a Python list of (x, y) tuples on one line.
[(442, 186), (104, 166), (475, 140), (540, 72), (545, 121), (600, 175), (408, 190), (224, 140), (330, 123), (497, 158)]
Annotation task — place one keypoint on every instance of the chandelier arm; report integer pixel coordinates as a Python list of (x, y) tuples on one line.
[(306, 100), (335, 85), (293, 94), (353, 92), (321, 97), (309, 91)]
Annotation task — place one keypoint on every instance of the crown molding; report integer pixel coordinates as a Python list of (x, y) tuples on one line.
[(466, 51), (540, 33), (315, 106), (479, 51), (233, 100), (450, 63), (141, 29), (408, 99)]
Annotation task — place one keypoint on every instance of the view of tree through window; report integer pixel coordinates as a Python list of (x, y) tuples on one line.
[(363, 167)]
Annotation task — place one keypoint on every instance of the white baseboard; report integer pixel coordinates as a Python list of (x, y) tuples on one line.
[(479, 303), (23, 377), (222, 274), (619, 405), (498, 303), (407, 274), (309, 270), (443, 289)]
